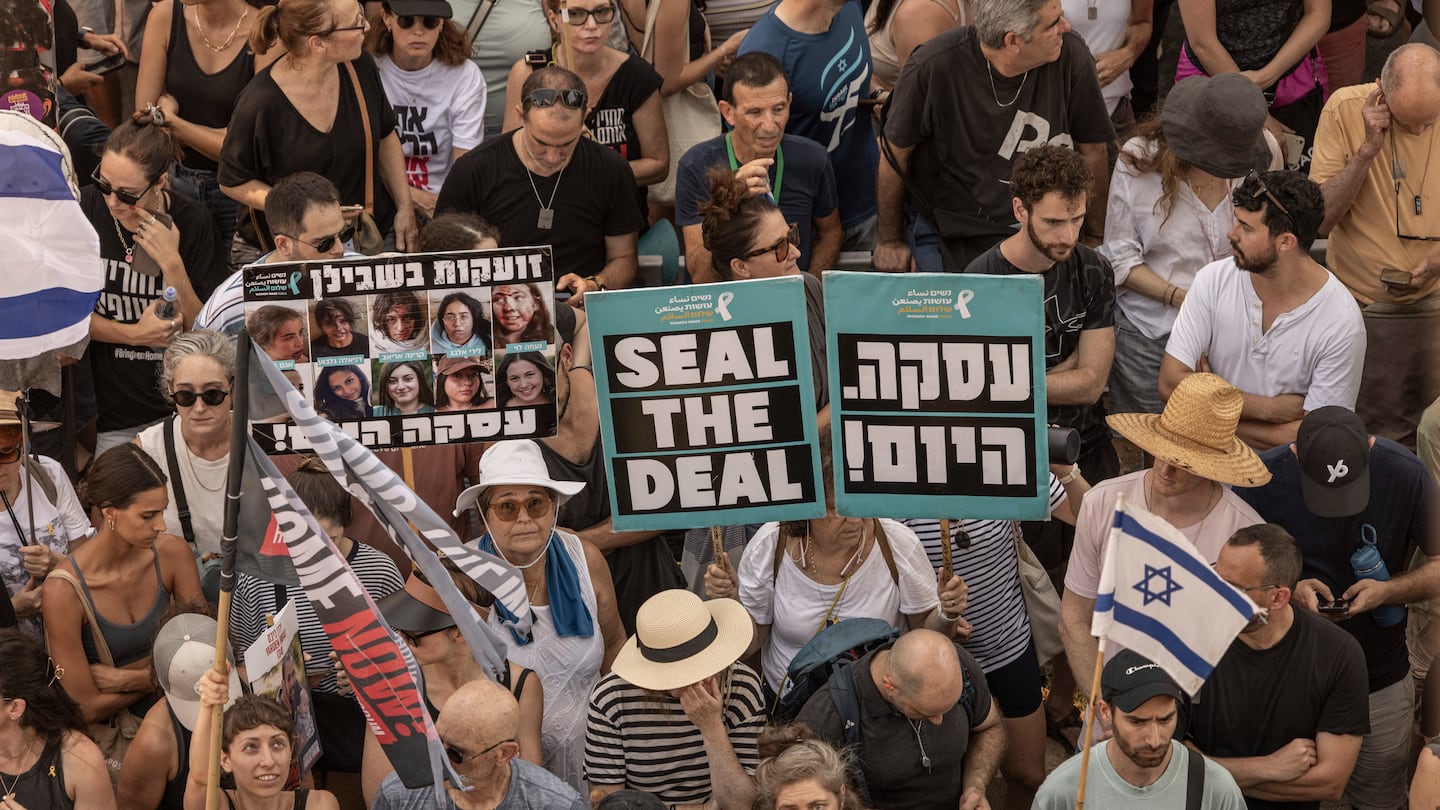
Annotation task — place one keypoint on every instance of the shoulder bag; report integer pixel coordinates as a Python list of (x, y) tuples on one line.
[(691, 115), (368, 238)]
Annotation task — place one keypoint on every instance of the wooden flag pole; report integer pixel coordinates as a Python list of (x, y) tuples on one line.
[(947, 553), (1089, 726), (235, 473)]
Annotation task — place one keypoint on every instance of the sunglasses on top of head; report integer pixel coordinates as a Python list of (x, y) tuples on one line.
[(547, 97)]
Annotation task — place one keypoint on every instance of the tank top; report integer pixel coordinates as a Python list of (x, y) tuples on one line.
[(302, 795), (44, 784), (883, 57), (206, 99), (174, 796), (128, 642)]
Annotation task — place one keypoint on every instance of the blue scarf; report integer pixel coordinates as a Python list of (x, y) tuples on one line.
[(567, 608)]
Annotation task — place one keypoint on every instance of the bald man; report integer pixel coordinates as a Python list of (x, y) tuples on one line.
[(477, 727), (1373, 148), (928, 735)]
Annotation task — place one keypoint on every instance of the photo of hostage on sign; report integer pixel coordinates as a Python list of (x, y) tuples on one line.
[(434, 348)]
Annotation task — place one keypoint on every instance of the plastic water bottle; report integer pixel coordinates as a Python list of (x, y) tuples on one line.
[(1367, 564), (166, 310)]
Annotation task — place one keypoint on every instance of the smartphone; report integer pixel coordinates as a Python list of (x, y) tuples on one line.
[(1337, 606), (1395, 278), (1294, 148), (160, 216), (107, 64), (351, 209)]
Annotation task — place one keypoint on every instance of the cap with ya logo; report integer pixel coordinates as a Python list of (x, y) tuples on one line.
[(1334, 452)]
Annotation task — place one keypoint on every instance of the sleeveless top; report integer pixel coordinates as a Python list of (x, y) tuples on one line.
[(302, 795), (128, 642), (205, 98), (174, 796), (44, 784), (568, 667), (885, 61), (516, 689)]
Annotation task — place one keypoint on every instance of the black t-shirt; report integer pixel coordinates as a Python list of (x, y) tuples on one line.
[(891, 747), (269, 139), (126, 391), (612, 120), (595, 200), (67, 35), (965, 141), (206, 99), (1404, 500), (1256, 701), (1079, 296)]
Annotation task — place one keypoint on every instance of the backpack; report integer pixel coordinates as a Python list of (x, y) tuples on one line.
[(834, 648)]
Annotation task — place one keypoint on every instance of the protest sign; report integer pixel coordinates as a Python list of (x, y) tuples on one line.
[(707, 404), (409, 350), (275, 666), (937, 394)]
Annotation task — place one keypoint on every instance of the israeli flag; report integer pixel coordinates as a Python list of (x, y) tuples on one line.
[(52, 274), (1159, 597)]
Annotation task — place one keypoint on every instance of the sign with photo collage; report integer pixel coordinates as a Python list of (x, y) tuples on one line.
[(411, 350)]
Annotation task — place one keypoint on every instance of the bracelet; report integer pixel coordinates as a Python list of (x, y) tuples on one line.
[(947, 617), (1069, 478), (595, 279)]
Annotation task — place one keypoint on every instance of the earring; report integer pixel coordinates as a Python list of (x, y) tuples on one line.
[(110, 524)]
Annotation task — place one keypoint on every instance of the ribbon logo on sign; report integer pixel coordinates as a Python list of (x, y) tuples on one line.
[(722, 306), (961, 301)]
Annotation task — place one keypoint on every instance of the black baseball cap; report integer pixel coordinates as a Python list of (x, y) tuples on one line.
[(420, 8), (1334, 452), (1129, 679)]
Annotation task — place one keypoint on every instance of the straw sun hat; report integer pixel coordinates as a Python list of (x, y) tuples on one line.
[(680, 640), (1197, 432)]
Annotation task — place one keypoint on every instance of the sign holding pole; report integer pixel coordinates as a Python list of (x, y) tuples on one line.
[(937, 394), (707, 404)]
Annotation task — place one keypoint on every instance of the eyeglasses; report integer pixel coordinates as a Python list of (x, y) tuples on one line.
[(1399, 173), (408, 21), (414, 638), (9, 454), (579, 16), (1265, 190), (210, 396), (462, 317), (781, 249), (125, 197), (326, 243), (361, 25), (536, 507), (457, 757), (546, 97)]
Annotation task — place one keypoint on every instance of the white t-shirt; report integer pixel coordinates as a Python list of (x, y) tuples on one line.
[(795, 617), (1104, 33), (1316, 349), (204, 483), (57, 525), (438, 108)]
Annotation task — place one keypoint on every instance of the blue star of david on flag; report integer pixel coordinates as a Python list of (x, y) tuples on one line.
[(1167, 581)]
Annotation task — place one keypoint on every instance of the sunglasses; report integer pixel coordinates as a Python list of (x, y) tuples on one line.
[(546, 97), (579, 16), (414, 638), (324, 244), (1262, 189), (781, 249), (211, 397), (407, 21), (536, 507), (9, 454), (125, 197), (457, 757)]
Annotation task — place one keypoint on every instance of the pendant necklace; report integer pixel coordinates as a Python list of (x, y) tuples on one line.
[(128, 246), (547, 210), (924, 757)]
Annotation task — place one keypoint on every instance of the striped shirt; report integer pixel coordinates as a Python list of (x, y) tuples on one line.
[(991, 571), (254, 599), (643, 742)]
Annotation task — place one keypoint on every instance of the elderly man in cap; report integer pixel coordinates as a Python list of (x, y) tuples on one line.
[(1360, 506), (1285, 708), (477, 728), (1198, 458), (1373, 147), (1141, 765)]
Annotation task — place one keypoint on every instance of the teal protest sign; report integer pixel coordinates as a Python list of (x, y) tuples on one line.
[(707, 404), (937, 395)]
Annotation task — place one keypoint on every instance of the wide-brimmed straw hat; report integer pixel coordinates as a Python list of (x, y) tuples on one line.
[(515, 462), (10, 413), (1197, 432), (680, 640)]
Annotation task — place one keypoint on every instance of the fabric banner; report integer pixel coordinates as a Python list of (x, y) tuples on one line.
[(937, 395), (1159, 597), (707, 404), (412, 350), (383, 673)]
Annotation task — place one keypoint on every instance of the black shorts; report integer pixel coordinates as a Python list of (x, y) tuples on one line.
[(1015, 687)]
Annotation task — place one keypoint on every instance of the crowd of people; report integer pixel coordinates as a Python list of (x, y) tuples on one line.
[(1241, 307)]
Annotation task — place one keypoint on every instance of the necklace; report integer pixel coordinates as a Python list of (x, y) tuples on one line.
[(1397, 169), (807, 560), (10, 788), (996, 93), (547, 210), (924, 758), (222, 46), (190, 462), (128, 246)]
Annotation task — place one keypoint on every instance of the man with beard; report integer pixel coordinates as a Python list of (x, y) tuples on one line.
[(1141, 765), (1285, 331), (1285, 710)]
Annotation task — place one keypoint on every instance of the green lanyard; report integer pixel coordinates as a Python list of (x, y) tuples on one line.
[(779, 166)]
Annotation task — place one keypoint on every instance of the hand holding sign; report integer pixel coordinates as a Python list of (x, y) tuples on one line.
[(720, 579)]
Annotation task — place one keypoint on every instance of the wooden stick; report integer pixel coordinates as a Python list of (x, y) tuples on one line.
[(947, 553), (1089, 726), (717, 541)]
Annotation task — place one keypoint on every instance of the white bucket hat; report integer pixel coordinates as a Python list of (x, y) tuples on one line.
[(680, 640), (512, 463)]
